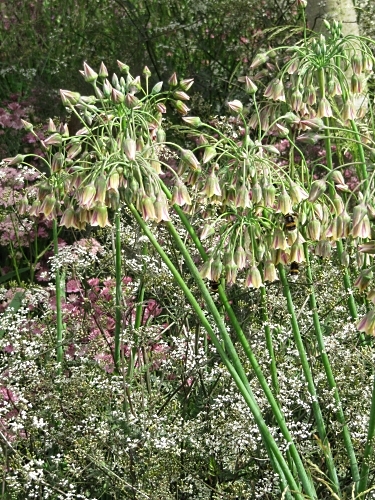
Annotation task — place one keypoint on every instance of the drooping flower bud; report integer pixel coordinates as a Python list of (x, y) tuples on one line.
[(117, 97), (209, 153), (130, 148), (235, 106), (367, 323), (190, 159), (181, 107), (194, 121), (324, 109), (131, 101), (363, 280), (317, 189), (186, 83), (99, 216), (157, 88), (69, 98)]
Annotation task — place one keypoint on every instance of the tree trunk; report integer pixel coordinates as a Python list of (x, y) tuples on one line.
[(341, 10)]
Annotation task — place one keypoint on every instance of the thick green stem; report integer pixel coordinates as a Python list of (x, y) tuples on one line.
[(268, 335), (118, 315), (305, 480), (310, 382), (369, 448), (59, 297), (328, 370), (236, 369), (332, 192)]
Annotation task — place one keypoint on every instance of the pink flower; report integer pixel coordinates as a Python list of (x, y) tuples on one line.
[(73, 286)]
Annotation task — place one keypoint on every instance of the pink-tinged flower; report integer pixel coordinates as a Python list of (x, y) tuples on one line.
[(296, 100), (212, 186), (368, 247), (48, 205), (240, 257), (148, 209), (181, 107), (270, 273), (269, 194), (208, 230), (324, 109), (190, 159), (103, 72), (124, 68), (363, 279), (114, 182), (250, 86), (172, 81), (99, 216), (161, 107), (117, 97), (367, 323), (87, 196), (317, 189), (194, 121), (296, 250), (297, 193), (279, 240), (253, 278), (323, 249), (243, 197), (259, 59), (101, 188), (180, 194), (68, 218), (205, 270), (362, 229), (231, 271), (73, 286), (284, 203), (209, 153), (359, 212), (107, 88), (186, 83), (216, 270), (182, 96), (348, 112), (235, 106), (161, 208), (313, 229), (275, 90)]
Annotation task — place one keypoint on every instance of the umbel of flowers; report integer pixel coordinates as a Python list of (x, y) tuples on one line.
[(235, 182), (115, 156)]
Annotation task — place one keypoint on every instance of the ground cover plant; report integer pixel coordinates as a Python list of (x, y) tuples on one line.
[(187, 304)]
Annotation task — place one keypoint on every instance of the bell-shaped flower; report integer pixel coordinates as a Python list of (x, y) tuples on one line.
[(279, 240), (284, 203), (363, 279), (270, 273), (317, 189), (253, 278), (180, 194), (212, 186), (362, 229), (367, 323), (161, 207)]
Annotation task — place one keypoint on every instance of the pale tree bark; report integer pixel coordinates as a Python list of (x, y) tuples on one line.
[(342, 11)]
